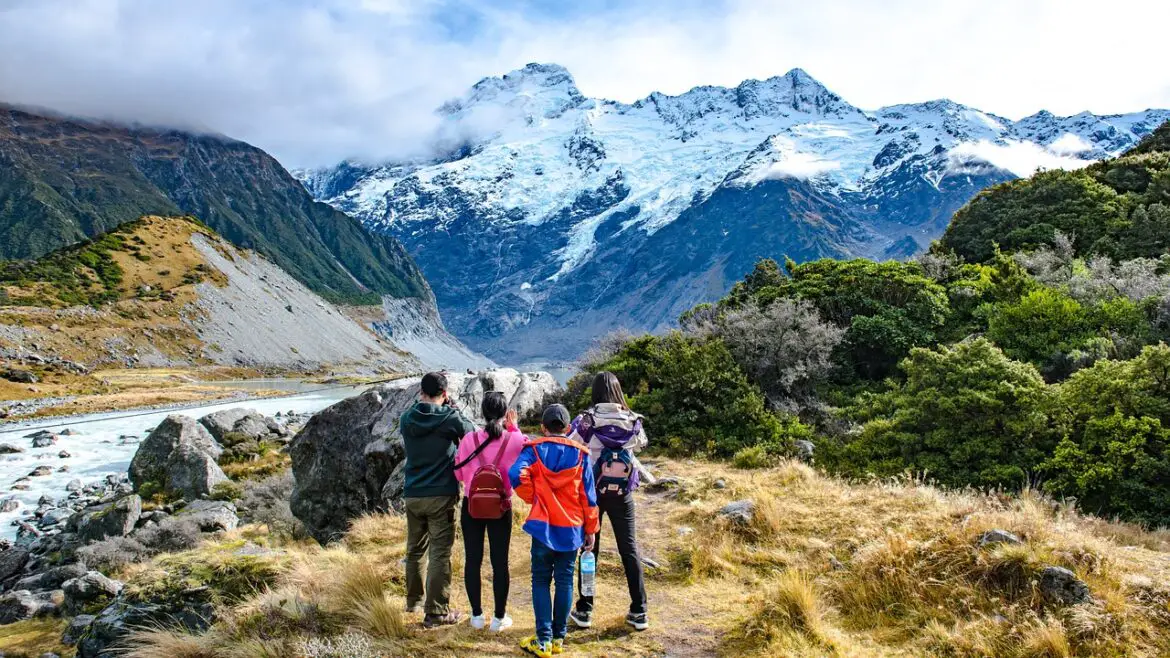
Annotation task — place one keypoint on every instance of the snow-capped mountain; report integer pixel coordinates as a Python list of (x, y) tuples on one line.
[(552, 217)]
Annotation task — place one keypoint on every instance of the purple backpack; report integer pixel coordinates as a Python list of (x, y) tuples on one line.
[(615, 472)]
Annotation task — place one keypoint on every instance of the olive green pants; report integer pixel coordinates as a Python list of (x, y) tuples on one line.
[(430, 523)]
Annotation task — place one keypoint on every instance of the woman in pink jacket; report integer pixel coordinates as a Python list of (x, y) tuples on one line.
[(504, 443)]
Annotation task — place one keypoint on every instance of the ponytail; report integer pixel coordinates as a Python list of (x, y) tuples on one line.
[(494, 408)]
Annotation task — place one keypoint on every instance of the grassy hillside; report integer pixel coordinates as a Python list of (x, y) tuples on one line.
[(67, 180), (1118, 208), (823, 567)]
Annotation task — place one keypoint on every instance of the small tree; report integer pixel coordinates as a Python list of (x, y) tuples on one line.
[(784, 348)]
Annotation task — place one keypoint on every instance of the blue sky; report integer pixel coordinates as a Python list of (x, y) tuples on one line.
[(315, 81)]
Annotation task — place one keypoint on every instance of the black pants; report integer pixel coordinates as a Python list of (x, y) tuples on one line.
[(620, 511), (499, 533)]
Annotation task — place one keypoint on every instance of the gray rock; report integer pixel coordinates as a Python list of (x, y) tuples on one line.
[(9, 449), (87, 589), (150, 461), (998, 536), (740, 512), (64, 454), (51, 578), (221, 422), (804, 451), (114, 519), (9, 505), (252, 425), (56, 516), (41, 471), (192, 473), (77, 628), (1060, 585), (344, 458), (719, 484), (74, 485), (44, 440), (19, 376), (18, 605), (191, 611), (210, 515), (664, 483), (12, 561)]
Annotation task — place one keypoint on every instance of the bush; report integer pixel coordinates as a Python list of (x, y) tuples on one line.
[(784, 348), (1114, 457), (885, 308), (752, 457), (966, 415), (169, 536), (691, 391)]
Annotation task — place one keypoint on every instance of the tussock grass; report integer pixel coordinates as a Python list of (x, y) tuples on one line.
[(824, 568), (166, 643)]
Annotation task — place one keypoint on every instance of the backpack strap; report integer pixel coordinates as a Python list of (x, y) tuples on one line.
[(475, 453), (500, 453)]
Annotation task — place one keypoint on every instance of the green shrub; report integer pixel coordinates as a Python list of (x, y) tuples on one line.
[(1114, 457), (752, 457), (690, 389), (966, 415)]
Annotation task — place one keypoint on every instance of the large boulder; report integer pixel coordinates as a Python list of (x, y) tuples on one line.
[(221, 422), (191, 472), (1060, 585), (153, 458), (347, 460), (116, 519)]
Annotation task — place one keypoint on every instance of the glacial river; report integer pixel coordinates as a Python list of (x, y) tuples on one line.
[(105, 443)]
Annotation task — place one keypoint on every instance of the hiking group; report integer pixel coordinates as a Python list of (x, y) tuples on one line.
[(571, 475)]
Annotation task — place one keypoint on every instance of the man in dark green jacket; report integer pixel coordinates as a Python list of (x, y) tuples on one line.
[(431, 430)]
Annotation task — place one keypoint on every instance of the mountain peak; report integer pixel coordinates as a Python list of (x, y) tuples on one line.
[(538, 90)]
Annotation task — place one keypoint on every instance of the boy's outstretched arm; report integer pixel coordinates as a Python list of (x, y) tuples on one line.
[(521, 477)]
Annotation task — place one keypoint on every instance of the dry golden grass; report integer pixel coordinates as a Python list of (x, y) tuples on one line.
[(825, 568)]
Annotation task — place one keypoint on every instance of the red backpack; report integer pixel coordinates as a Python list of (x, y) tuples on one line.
[(487, 497)]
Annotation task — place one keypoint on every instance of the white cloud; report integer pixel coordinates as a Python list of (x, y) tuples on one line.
[(314, 81), (799, 165), (1020, 158), (1069, 144)]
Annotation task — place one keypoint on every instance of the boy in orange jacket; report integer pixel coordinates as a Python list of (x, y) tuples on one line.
[(554, 476)]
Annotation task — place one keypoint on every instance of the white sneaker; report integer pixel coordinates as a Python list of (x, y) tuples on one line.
[(501, 624), (478, 622)]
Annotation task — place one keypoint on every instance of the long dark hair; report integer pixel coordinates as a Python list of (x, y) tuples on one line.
[(494, 408), (607, 388)]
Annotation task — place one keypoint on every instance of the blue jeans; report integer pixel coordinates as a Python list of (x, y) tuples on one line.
[(549, 566)]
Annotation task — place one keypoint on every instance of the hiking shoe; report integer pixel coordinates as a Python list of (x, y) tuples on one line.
[(501, 624), (558, 645), (581, 619), (433, 621), (478, 622), (638, 620), (535, 647)]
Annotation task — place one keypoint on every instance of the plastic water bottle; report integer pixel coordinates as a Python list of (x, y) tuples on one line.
[(588, 573)]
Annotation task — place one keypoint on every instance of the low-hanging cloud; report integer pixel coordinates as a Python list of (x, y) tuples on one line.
[(800, 165), (1020, 158), (316, 81)]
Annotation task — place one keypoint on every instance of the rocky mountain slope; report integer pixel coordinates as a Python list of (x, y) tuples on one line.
[(63, 180), (169, 291), (552, 216)]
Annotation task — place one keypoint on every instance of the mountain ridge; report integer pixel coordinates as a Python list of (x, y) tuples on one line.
[(71, 179), (529, 160)]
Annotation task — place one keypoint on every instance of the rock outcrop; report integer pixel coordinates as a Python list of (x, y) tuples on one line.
[(179, 454), (347, 461), (115, 519)]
